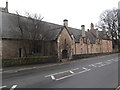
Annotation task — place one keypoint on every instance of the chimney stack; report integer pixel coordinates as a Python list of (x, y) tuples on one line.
[(6, 6), (104, 31), (83, 30), (65, 22), (88, 30), (97, 35), (92, 26)]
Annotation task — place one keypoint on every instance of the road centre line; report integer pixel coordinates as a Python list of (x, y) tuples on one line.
[(3, 86), (53, 78), (13, 87), (72, 74), (102, 65), (92, 65), (99, 64), (61, 72), (84, 68)]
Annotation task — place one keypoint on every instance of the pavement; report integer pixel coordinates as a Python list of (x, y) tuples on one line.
[(95, 72), (35, 66)]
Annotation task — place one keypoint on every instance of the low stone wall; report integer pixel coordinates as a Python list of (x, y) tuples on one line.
[(28, 60), (80, 56)]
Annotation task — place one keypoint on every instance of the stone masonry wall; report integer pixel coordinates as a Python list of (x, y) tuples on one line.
[(64, 43), (10, 48)]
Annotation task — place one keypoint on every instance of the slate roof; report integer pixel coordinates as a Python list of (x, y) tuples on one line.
[(51, 31), (101, 35)]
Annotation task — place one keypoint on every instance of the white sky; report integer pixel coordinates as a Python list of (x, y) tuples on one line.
[(78, 12)]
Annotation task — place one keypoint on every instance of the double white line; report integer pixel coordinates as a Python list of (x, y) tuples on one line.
[(71, 71), (62, 72), (53, 75)]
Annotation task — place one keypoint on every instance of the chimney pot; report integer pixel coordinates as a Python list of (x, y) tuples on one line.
[(83, 30), (6, 6), (65, 22), (88, 30), (97, 35), (92, 26)]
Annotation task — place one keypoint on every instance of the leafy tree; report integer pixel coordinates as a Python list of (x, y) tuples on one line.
[(109, 20)]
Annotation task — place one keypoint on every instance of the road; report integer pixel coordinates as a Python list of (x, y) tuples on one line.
[(96, 72)]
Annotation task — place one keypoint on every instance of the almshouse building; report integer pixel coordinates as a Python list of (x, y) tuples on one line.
[(59, 40)]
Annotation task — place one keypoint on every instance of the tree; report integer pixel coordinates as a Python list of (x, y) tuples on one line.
[(30, 29), (109, 20), (118, 16)]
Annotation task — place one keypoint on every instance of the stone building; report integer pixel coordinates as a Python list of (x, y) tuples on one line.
[(60, 40)]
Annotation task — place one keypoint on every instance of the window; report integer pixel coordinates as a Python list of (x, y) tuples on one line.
[(65, 41), (81, 50), (20, 52), (37, 47)]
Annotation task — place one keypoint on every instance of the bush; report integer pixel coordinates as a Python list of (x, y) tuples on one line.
[(28, 60), (80, 56)]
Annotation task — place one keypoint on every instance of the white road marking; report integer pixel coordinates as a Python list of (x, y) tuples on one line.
[(108, 62), (10, 71), (99, 64), (71, 72), (92, 65), (3, 86), (84, 71), (64, 77), (102, 65), (13, 87), (84, 68), (53, 78), (61, 72)]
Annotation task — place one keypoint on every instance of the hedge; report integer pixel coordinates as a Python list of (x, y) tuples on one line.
[(28, 60), (80, 56)]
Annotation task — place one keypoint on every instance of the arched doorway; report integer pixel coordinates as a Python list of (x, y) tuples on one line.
[(64, 54)]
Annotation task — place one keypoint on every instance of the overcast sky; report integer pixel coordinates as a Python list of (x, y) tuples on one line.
[(78, 12)]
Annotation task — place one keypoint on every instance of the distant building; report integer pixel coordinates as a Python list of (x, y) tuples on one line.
[(60, 40), (4, 9)]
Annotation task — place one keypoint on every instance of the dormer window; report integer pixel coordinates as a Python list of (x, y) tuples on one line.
[(88, 41)]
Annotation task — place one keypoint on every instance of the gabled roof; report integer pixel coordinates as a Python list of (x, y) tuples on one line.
[(92, 37), (50, 30), (102, 36)]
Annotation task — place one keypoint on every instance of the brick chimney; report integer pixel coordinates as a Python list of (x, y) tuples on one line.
[(119, 5), (65, 22), (97, 34), (83, 30), (6, 6), (92, 26), (104, 31)]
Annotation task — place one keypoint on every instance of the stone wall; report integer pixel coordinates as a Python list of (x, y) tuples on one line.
[(64, 42), (10, 48), (103, 46), (106, 46)]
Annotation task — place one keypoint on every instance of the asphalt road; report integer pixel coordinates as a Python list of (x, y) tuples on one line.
[(97, 72)]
